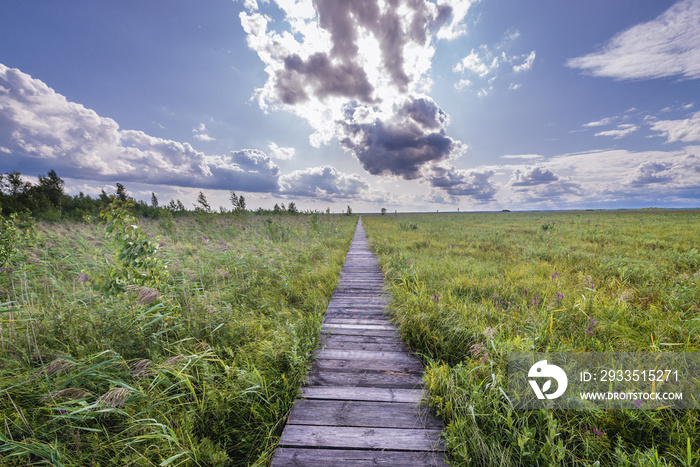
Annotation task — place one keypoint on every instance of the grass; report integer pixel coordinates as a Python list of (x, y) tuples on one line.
[(194, 360), (470, 288)]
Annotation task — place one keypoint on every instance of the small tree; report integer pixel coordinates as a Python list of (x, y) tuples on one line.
[(383, 211), (234, 200), (349, 211), (292, 208), (154, 200), (51, 186), (277, 209), (104, 197), (121, 192), (203, 203), (241, 204)]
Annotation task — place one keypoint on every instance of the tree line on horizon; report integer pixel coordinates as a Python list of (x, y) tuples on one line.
[(47, 200)]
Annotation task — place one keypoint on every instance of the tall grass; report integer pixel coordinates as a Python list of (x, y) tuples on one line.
[(470, 288), (197, 368)]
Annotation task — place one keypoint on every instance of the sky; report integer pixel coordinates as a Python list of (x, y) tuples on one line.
[(411, 105)]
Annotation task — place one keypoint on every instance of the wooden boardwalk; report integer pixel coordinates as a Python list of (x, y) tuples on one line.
[(361, 403)]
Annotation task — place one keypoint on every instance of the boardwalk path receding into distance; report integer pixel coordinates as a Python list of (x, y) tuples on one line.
[(361, 403)]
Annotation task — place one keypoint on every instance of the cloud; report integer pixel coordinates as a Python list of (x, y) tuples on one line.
[(318, 76), (42, 130), (523, 156), (527, 64), (485, 63), (440, 197), (462, 83), (651, 172), (531, 176), (458, 182), (602, 122), (282, 154), (200, 133), (687, 130), (411, 136), (324, 182), (476, 64), (245, 170), (664, 47), (357, 72), (539, 184), (622, 131), (457, 10)]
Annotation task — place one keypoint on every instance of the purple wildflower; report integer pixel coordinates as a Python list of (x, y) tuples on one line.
[(590, 330), (638, 403), (598, 432), (436, 298), (556, 274)]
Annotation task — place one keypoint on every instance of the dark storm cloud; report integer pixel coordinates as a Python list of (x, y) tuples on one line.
[(400, 145), (341, 18), (324, 78)]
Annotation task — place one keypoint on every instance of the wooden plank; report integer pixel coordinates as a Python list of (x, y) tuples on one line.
[(374, 365), (355, 393), (359, 332), (345, 345), (375, 379), (356, 321), (353, 458), (398, 439), (362, 414), (368, 327), (400, 357), (362, 339), (363, 315)]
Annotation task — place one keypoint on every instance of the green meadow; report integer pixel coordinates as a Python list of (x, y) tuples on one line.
[(469, 288), (159, 342), (183, 340)]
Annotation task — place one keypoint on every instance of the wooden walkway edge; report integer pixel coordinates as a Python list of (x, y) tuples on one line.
[(361, 404)]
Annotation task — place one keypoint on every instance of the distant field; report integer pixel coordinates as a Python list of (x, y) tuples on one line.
[(469, 288), (120, 348)]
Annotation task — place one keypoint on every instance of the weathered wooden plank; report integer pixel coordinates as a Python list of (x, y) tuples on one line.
[(302, 457), (363, 315), (358, 332), (374, 365), (362, 339), (345, 345), (375, 379), (355, 393), (368, 327), (362, 414), (400, 357), (355, 321), (398, 439)]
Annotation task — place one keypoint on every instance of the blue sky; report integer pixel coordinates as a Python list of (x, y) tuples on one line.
[(409, 105)]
